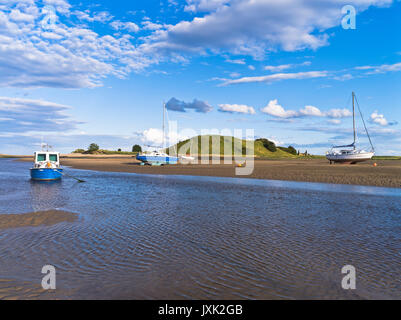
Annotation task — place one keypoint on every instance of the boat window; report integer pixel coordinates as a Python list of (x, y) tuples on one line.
[(53, 157), (41, 157)]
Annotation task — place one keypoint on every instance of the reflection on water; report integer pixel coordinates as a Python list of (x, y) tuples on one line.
[(46, 195), (171, 237)]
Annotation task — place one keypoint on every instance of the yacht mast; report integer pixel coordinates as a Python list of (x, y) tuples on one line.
[(353, 115), (164, 110)]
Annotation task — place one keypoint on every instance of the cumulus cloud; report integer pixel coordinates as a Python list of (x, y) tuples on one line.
[(204, 5), (129, 26), (153, 137), (25, 115), (236, 108), (339, 113), (311, 111), (67, 55), (255, 27), (70, 55), (375, 117), (17, 15), (181, 106), (102, 16), (61, 6), (148, 25), (274, 109), (379, 119), (278, 77)]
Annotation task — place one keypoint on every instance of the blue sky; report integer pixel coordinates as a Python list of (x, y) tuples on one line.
[(74, 72)]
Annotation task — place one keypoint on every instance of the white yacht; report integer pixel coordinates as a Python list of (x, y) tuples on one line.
[(352, 155)]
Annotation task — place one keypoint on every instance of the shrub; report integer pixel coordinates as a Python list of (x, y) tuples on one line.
[(93, 147), (269, 145), (292, 150), (137, 148), (79, 151)]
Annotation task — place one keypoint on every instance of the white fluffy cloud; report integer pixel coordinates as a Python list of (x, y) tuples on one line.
[(153, 137), (278, 77), (129, 26), (102, 16), (64, 54), (378, 118), (311, 111), (339, 113), (70, 55), (274, 109), (255, 27), (148, 25), (236, 108), (204, 5)]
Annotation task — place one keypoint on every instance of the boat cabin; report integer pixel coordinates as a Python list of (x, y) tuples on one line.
[(45, 159)]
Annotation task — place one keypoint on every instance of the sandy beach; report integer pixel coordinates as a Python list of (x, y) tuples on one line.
[(387, 173)]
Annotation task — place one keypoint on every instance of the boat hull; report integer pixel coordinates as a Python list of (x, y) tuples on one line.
[(46, 174), (350, 158), (157, 160)]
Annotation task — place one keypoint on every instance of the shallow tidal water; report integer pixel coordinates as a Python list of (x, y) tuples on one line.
[(182, 237)]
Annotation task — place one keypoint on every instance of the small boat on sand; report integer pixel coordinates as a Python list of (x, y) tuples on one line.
[(155, 158), (46, 166), (353, 155), (158, 158)]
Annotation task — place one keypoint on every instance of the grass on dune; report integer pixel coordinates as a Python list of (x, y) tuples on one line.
[(216, 144)]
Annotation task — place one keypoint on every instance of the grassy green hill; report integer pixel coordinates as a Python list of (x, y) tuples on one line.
[(238, 145)]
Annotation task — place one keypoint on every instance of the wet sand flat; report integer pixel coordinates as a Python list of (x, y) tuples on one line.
[(387, 173), (34, 219)]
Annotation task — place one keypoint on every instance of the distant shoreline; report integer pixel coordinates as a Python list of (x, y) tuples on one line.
[(387, 173)]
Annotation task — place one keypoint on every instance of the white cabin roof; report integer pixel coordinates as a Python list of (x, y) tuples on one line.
[(47, 152)]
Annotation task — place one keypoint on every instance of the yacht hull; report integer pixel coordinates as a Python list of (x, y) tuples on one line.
[(350, 158), (157, 160)]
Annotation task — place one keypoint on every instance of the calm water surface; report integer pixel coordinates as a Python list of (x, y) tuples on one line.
[(170, 237)]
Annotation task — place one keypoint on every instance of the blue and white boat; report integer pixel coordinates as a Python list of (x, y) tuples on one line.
[(46, 166), (156, 158)]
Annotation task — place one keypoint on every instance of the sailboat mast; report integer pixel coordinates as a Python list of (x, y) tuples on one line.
[(353, 115), (164, 110)]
